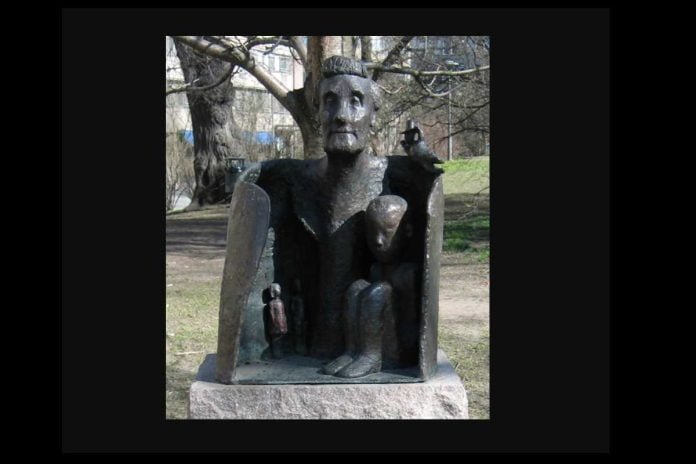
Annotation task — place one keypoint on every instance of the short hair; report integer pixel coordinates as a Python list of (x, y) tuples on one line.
[(336, 65), (385, 206), (342, 65)]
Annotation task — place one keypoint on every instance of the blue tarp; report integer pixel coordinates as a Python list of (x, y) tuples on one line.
[(188, 136), (264, 138), (261, 137)]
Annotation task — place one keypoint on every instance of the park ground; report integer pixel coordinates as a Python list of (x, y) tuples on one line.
[(195, 251)]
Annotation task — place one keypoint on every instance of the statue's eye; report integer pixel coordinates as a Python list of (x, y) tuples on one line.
[(329, 99), (355, 101)]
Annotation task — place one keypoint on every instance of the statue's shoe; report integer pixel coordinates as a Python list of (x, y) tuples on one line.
[(337, 364), (362, 366)]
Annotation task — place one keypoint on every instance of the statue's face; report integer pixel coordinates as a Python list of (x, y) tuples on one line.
[(384, 237), (347, 112)]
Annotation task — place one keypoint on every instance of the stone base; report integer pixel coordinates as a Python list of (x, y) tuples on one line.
[(441, 397)]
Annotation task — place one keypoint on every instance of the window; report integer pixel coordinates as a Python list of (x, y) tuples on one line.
[(271, 63), (284, 64)]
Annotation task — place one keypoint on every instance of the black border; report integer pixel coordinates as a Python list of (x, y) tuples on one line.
[(550, 258)]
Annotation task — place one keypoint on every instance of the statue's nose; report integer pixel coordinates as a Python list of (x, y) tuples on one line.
[(342, 113)]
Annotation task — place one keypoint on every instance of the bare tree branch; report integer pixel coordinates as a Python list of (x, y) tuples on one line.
[(391, 92), (185, 353), (296, 56), (472, 129), (392, 56), (273, 41), (418, 76), (215, 48), (190, 88), (299, 47), (427, 89), (225, 51), (366, 47), (419, 73)]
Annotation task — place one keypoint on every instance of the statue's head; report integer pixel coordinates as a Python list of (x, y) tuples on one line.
[(348, 101), (387, 227), (274, 290)]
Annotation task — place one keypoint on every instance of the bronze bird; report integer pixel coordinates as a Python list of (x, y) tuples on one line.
[(415, 147)]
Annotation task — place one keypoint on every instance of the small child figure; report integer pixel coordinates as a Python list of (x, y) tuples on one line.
[(382, 312), (275, 321)]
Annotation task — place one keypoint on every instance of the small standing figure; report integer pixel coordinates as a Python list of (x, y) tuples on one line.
[(299, 323), (275, 321)]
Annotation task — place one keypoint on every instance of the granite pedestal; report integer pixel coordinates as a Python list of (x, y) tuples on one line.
[(441, 397)]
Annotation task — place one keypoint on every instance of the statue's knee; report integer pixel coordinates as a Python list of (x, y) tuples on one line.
[(376, 295), (358, 286), (355, 288)]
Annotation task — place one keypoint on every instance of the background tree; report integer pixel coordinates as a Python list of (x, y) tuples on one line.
[(416, 79), (210, 96)]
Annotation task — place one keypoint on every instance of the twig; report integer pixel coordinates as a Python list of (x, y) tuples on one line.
[(189, 88), (184, 353), (417, 72), (392, 56), (390, 92), (277, 42)]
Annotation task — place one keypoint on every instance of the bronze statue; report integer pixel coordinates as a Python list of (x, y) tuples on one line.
[(275, 321), (414, 145), (304, 220), (299, 323), (379, 314)]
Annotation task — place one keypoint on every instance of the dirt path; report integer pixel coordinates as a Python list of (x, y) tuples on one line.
[(464, 289), (196, 245)]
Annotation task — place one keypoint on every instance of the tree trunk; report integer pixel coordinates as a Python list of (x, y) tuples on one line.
[(312, 141), (350, 46), (366, 47), (319, 48), (212, 124)]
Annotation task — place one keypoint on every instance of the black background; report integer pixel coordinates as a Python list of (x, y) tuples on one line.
[(550, 169)]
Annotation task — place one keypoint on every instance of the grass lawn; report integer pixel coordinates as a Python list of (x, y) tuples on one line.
[(469, 175)]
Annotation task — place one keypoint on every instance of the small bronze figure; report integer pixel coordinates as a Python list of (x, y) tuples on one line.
[(414, 145), (275, 321)]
